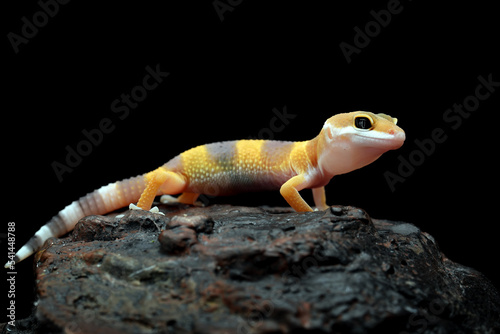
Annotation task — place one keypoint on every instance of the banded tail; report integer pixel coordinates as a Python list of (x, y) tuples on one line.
[(103, 200)]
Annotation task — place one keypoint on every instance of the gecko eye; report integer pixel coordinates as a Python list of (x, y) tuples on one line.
[(363, 123)]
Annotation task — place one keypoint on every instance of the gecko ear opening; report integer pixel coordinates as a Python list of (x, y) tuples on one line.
[(328, 131)]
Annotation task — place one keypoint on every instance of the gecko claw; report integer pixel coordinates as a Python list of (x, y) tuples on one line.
[(153, 209)]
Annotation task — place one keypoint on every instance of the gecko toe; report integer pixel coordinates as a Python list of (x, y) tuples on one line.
[(155, 209)]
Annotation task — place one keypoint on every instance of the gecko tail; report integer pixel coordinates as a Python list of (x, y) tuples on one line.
[(103, 200)]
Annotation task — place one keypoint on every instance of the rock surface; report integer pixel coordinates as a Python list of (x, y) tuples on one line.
[(226, 269)]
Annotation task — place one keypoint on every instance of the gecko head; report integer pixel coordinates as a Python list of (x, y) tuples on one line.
[(353, 140)]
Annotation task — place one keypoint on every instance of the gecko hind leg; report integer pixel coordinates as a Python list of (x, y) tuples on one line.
[(163, 181), (189, 198)]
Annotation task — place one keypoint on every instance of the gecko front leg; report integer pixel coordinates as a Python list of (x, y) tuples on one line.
[(290, 191), (320, 198)]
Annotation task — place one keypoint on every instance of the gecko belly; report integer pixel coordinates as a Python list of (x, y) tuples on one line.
[(229, 183)]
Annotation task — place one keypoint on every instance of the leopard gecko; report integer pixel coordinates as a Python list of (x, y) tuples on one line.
[(346, 142)]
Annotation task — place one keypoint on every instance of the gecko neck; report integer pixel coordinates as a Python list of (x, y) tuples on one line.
[(340, 156)]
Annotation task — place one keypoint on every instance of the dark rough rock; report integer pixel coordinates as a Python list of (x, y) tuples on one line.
[(225, 269)]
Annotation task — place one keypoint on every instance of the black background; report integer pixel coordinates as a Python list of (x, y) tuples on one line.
[(226, 77)]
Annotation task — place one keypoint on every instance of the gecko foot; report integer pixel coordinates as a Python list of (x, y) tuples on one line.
[(170, 200), (167, 199), (153, 209)]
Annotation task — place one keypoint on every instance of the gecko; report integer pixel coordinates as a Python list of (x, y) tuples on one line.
[(347, 141)]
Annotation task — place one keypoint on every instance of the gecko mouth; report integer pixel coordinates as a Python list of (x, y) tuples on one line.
[(382, 140)]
